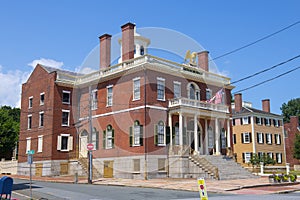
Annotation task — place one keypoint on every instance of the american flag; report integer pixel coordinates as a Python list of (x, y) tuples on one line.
[(219, 96)]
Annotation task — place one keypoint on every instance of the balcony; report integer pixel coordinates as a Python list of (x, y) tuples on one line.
[(191, 103)]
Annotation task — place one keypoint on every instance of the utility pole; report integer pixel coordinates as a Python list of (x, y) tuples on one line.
[(90, 155)]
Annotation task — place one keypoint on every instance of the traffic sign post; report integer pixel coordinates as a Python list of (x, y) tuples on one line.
[(30, 161), (202, 189)]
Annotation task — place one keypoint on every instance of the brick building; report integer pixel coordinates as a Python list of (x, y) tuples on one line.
[(145, 115), (257, 131), (291, 130)]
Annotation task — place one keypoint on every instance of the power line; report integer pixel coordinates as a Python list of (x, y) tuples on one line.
[(265, 70), (268, 80), (252, 43)]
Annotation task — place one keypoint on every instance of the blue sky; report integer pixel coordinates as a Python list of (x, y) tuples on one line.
[(62, 33)]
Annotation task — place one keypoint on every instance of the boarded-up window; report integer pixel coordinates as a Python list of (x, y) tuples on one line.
[(136, 165), (162, 164)]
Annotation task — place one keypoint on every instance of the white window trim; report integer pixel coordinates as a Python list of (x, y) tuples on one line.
[(30, 98), (179, 84), (67, 92), (42, 103), (245, 120), (259, 121), (164, 83), (279, 158), (108, 137), (269, 138), (42, 112), (68, 111), (40, 145), (261, 138), (28, 116), (161, 144), (244, 137), (112, 94), (247, 157), (278, 139), (69, 145), (268, 120), (133, 96), (28, 147), (94, 105)]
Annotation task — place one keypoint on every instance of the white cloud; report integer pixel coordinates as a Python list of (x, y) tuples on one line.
[(85, 70), (10, 87), (46, 62)]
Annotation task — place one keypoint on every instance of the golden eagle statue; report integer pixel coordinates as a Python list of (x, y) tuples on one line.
[(191, 57)]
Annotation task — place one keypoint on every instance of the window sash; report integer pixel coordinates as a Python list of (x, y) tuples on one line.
[(42, 98), (65, 117), (66, 97), (94, 99), (260, 138), (246, 137), (28, 144), (136, 89), (136, 135), (41, 119), (208, 94), (109, 138), (177, 90), (160, 90), (160, 134), (269, 138), (30, 101), (40, 143), (29, 122), (109, 96), (247, 157)]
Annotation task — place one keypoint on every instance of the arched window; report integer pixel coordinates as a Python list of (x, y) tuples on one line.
[(95, 138), (159, 138), (108, 137), (142, 50), (136, 134), (193, 91)]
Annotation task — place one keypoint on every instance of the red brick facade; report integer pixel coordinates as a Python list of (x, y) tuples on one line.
[(291, 130)]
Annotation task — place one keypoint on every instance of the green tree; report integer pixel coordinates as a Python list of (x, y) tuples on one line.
[(265, 159), (292, 108), (297, 147), (9, 129)]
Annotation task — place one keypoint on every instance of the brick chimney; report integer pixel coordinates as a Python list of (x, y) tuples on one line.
[(203, 60), (105, 50), (127, 41), (238, 102), (266, 105)]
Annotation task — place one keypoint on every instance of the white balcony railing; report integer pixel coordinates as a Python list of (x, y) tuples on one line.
[(197, 104)]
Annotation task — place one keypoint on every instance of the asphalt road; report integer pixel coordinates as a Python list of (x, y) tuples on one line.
[(60, 191)]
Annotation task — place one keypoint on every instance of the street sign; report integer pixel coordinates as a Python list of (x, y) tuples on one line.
[(30, 152), (30, 159), (202, 189), (90, 146)]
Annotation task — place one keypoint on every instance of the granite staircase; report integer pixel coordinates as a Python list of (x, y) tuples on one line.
[(85, 166), (221, 167)]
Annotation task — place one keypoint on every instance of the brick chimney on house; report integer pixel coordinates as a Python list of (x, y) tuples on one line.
[(266, 105), (203, 60), (127, 41), (238, 102), (105, 50)]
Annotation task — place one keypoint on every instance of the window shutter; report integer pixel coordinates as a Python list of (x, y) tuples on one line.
[(97, 140), (263, 139), (168, 139), (257, 135), (173, 135), (234, 138), (141, 136), (233, 122), (242, 137), (70, 143), (155, 134), (279, 139), (250, 137), (243, 154), (249, 120), (59, 142), (266, 138), (113, 137), (104, 140), (130, 136), (241, 121)]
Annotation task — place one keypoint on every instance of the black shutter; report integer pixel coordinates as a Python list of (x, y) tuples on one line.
[(249, 120), (104, 140), (271, 138), (242, 137), (130, 136), (241, 121), (141, 136), (233, 122), (257, 135), (155, 134), (97, 140), (250, 137), (279, 139), (113, 138), (263, 139), (168, 139), (173, 135), (266, 138), (243, 155), (234, 138)]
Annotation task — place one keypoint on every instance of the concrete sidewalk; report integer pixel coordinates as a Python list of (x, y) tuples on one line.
[(241, 186)]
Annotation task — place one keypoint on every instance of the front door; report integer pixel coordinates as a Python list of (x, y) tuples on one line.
[(83, 147), (108, 170)]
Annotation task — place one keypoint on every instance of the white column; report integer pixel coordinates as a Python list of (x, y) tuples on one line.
[(180, 129), (228, 133), (196, 134), (206, 137), (217, 137), (171, 129)]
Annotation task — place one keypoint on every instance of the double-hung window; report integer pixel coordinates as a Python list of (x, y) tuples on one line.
[(109, 99), (161, 89), (109, 137), (260, 138), (246, 138), (136, 134), (41, 119), (65, 142), (94, 99), (28, 144), (258, 120), (136, 88), (65, 118), (268, 138), (66, 96), (29, 121), (247, 157), (40, 143), (160, 136), (277, 139), (279, 157), (177, 89), (42, 98), (208, 94), (30, 101)]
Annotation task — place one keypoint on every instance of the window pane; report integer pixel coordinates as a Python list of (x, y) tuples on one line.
[(137, 135), (65, 118), (161, 134), (177, 90), (64, 143), (160, 90), (136, 89), (66, 97)]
